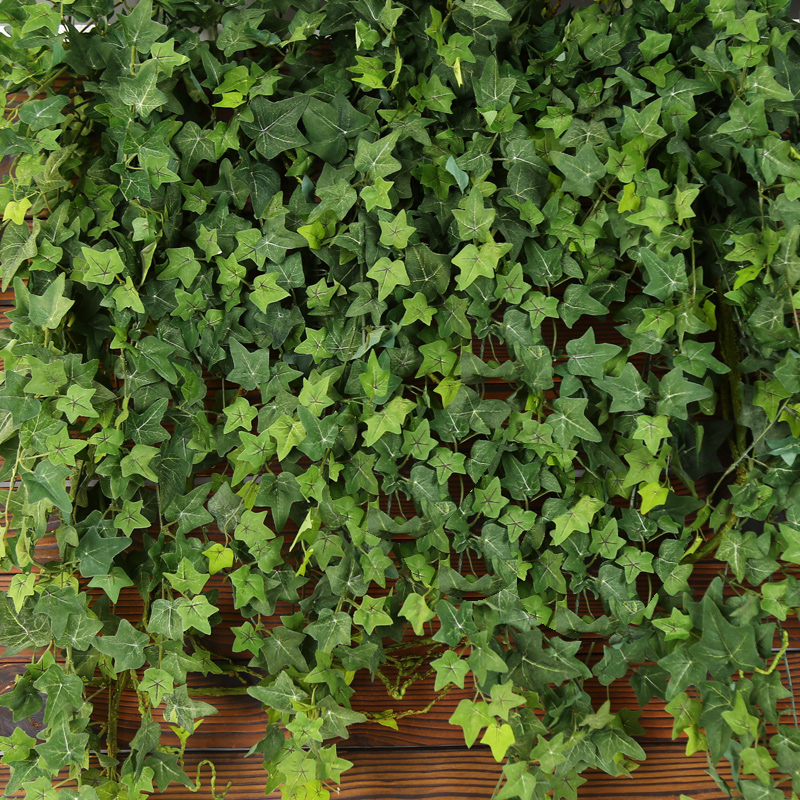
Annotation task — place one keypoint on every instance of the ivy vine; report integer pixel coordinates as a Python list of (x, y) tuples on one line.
[(448, 335)]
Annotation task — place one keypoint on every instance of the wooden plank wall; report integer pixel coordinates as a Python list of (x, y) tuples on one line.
[(426, 756)]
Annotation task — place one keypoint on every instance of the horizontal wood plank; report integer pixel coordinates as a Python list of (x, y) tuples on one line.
[(419, 774), (443, 769), (220, 642), (240, 721)]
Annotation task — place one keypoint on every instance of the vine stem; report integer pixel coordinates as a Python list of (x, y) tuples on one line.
[(711, 544), (218, 691), (113, 714), (11, 484), (411, 711), (778, 656), (750, 447), (213, 768), (497, 785)]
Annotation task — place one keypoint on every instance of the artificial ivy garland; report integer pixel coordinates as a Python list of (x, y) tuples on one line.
[(311, 303)]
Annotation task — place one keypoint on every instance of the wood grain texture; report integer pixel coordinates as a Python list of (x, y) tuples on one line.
[(455, 773), (240, 722), (220, 642), (425, 758)]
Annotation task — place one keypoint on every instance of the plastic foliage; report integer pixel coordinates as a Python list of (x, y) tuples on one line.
[(466, 327)]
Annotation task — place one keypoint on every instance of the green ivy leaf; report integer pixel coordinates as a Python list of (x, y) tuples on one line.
[(676, 393), (126, 646), (581, 171), (476, 262), (251, 369), (165, 620), (569, 421), (274, 125), (50, 308), (665, 277), (330, 629), (140, 29), (628, 391), (587, 357), (499, 737), (47, 482), (652, 431), (64, 692), (389, 419), (472, 717), (489, 9), (157, 684), (137, 462), (724, 647), (196, 612), (388, 275), (281, 694), (578, 518), (449, 669), (64, 746), (141, 92), (183, 710), (39, 114), (77, 403), (417, 612)]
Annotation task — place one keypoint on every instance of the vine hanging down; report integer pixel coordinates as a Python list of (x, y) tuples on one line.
[(425, 339)]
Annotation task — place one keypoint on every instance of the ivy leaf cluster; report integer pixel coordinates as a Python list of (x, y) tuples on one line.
[(459, 328)]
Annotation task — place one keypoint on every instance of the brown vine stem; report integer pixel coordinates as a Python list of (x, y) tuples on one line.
[(398, 690), (731, 356), (142, 697), (736, 464), (410, 711), (739, 450), (217, 691), (113, 714)]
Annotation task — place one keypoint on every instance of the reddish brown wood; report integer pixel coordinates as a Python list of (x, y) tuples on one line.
[(240, 721), (425, 757), (221, 641), (417, 774)]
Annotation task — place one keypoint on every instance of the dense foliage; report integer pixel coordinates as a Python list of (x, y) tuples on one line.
[(310, 307)]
